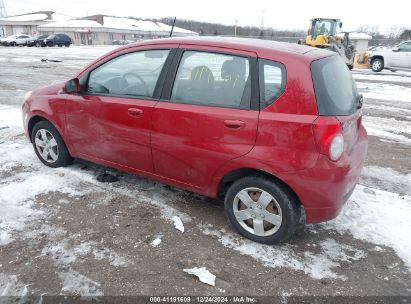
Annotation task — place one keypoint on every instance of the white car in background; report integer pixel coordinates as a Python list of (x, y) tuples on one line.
[(15, 40), (396, 58)]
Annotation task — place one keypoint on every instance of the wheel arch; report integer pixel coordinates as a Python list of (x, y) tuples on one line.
[(234, 175), (39, 117), (377, 57), (32, 122)]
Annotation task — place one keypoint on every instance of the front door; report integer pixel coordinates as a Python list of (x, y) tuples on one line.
[(210, 118), (111, 121), (402, 57)]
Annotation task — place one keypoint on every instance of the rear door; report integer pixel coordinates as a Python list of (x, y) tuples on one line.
[(208, 114)]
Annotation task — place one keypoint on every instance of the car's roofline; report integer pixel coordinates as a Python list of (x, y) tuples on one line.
[(244, 44)]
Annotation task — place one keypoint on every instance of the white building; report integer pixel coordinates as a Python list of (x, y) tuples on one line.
[(359, 40), (101, 29), (27, 23)]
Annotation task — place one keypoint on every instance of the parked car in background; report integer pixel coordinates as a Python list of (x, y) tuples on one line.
[(15, 40), (396, 58), (274, 129), (57, 39), (37, 40)]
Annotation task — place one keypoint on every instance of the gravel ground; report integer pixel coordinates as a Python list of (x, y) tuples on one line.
[(72, 235)]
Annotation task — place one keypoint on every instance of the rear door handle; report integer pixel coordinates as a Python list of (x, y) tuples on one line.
[(135, 112), (234, 124)]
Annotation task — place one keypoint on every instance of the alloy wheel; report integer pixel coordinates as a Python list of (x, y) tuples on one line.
[(257, 211), (46, 145)]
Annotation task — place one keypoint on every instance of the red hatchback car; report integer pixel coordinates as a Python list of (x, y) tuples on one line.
[(273, 128)]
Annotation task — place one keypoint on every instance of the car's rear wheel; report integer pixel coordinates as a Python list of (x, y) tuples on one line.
[(49, 145), (12, 43), (50, 44), (377, 64), (262, 210)]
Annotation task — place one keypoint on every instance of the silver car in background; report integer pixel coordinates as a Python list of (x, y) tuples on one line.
[(396, 58), (15, 40)]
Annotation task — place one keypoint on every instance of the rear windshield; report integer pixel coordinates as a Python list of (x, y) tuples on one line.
[(335, 88)]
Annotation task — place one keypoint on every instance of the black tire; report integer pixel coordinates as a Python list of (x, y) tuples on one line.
[(64, 157), (288, 203), (60, 45), (377, 65), (50, 44), (12, 43), (67, 44)]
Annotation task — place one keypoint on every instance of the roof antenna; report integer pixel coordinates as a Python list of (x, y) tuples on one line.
[(172, 28)]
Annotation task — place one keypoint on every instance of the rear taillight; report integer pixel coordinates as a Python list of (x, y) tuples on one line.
[(328, 137)]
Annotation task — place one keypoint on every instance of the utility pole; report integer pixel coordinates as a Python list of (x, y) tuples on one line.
[(262, 17), (235, 27), (3, 13)]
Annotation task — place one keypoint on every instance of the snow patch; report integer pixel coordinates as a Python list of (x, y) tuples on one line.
[(75, 283), (178, 223), (63, 253), (10, 286), (386, 179), (203, 275), (156, 242), (388, 128), (317, 265), (379, 217)]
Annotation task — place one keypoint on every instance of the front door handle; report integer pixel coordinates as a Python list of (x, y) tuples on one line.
[(234, 124), (134, 112)]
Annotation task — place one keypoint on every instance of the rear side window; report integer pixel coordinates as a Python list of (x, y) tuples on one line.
[(213, 79), (335, 88), (272, 81)]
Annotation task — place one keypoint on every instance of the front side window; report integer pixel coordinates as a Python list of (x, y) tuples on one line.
[(213, 79), (133, 74), (405, 47), (272, 81)]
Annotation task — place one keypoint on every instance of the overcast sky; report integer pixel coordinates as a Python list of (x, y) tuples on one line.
[(286, 14)]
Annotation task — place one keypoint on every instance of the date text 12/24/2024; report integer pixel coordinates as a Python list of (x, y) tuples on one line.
[(203, 299)]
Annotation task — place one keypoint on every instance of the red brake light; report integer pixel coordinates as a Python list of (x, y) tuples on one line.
[(328, 137)]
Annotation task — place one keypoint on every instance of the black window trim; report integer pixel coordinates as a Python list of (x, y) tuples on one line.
[(173, 69), (261, 62), (159, 84)]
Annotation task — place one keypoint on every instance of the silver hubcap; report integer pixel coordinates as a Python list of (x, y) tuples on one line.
[(257, 211), (46, 145), (376, 65)]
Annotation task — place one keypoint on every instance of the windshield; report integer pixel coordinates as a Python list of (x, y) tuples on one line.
[(325, 27), (335, 88)]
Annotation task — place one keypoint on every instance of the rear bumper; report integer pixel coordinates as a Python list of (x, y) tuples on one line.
[(325, 188)]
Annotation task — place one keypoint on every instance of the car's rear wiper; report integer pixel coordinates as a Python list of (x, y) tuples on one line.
[(360, 100)]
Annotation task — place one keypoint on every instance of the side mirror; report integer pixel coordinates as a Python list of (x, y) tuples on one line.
[(340, 24), (72, 86), (395, 49)]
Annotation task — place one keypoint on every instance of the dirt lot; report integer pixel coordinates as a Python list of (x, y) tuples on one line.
[(63, 232)]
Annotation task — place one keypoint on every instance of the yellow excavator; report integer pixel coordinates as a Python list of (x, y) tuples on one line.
[(325, 33)]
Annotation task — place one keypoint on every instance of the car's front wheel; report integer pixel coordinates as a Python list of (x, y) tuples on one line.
[(377, 64), (49, 145), (262, 209)]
